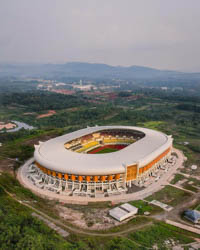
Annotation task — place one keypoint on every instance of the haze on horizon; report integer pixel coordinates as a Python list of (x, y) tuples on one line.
[(154, 33)]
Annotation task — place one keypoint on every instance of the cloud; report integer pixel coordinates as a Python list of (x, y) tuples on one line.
[(162, 34)]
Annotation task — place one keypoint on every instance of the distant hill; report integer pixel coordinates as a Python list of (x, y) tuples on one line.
[(91, 70)]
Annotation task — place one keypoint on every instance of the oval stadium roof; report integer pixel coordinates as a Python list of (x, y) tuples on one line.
[(53, 155)]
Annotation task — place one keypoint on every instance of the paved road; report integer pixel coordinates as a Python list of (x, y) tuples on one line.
[(185, 227), (186, 190)]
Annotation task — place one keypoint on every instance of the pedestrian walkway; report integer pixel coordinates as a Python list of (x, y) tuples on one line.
[(185, 227), (186, 190)]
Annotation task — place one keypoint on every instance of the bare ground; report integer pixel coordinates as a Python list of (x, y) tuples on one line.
[(7, 165), (91, 218)]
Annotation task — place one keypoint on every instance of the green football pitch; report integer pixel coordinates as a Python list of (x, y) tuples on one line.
[(107, 150)]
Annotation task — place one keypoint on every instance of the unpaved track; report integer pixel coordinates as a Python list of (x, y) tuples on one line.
[(77, 230), (178, 210)]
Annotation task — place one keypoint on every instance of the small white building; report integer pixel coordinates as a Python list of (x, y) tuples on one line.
[(194, 167), (123, 212), (129, 208)]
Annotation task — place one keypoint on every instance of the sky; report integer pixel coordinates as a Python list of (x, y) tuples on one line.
[(163, 34)]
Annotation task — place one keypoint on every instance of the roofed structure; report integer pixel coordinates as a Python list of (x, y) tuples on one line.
[(66, 165), (192, 215)]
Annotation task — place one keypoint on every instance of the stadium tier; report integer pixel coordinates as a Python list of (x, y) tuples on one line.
[(102, 160)]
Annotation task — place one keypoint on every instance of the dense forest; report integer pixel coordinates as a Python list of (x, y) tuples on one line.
[(38, 101), (174, 113)]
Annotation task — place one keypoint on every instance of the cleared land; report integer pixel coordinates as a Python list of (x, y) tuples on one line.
[(50, 113), (169, 195)]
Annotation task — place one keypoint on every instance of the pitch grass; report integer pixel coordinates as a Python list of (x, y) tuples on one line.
[(107, 150), (170, 195)]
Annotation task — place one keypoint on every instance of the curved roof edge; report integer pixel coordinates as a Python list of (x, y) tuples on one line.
[(53, 155)]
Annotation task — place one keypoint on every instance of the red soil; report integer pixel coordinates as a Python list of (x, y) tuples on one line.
[(63, 91), (119, 147), (50, 113)]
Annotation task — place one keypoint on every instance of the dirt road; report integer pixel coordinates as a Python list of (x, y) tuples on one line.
[(72, 229)]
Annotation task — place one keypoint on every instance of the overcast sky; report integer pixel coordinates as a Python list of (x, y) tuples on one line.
[(157, 33)]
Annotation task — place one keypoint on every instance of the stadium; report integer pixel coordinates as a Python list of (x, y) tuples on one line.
[(99, 161)]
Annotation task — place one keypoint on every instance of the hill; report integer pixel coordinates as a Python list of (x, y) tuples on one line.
[(92, 71)]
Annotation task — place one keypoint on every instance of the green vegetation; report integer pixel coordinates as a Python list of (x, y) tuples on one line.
[(12, 185), (170, 195), (39, 101), (107, 150), (189, 107), (198, 207), (191, 184), (175, 113), (137, 222), (144, 206), (177, 178), (19, 146), (195, 181), (19, 230), (122, 243), (157, 234), (26, 232), (190, 187), (157, 125)]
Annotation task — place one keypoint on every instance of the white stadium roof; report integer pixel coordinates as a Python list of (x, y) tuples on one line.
[(53, 155)]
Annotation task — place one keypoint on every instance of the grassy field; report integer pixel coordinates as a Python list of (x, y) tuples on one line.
[(107, 150), (157, 234), (195, 181), (191, 184), (102, 151), (190, 187), (157, 125), (170, 195), (177, 178), (143, 206)]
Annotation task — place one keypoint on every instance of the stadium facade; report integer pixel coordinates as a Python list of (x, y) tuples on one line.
[(99, 161)]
